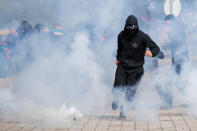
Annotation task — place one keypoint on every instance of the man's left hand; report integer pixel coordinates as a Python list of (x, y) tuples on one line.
[(148, 53)]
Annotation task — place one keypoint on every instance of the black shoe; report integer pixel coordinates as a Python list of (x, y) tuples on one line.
[(122, 115), (114, 105)]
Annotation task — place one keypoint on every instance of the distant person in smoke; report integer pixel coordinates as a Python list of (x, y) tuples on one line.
[(176, 43), (176, 36), (38, 28), (132, 44), (24, 29), (21, 54)]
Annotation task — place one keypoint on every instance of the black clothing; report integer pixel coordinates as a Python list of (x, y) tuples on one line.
[(130, 53), (127, 80), (132, 44), (131, 21), (127, 77), (160, 55)]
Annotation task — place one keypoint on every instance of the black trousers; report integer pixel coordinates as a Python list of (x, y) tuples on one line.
[(127, 80), (177, 65)]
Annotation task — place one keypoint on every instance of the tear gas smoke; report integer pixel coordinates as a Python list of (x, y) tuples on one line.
[(74, 74)]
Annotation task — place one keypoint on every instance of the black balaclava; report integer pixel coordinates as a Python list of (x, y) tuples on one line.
[(131, 20)]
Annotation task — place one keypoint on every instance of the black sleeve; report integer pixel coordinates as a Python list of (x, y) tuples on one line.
[(160, 55), (119, 50), (151, 45)]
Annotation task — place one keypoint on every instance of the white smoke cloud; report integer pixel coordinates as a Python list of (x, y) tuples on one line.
[(75, 74)]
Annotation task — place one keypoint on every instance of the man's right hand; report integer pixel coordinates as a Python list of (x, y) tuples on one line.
[(148, 53), (117, 62)]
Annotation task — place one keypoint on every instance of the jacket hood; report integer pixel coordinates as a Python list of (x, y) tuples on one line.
[(131, 20)]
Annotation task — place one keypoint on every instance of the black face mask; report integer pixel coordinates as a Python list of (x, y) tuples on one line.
[(131, 26), (130, 30)]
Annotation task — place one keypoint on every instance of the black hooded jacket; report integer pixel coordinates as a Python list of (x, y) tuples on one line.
[(132, 45)]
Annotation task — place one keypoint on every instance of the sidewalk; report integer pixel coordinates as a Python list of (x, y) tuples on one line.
[(175, 119)]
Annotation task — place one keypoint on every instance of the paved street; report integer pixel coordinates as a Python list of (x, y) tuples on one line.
[(176, 119)]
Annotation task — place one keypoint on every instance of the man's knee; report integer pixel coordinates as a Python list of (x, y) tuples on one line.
[(130, 92)]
